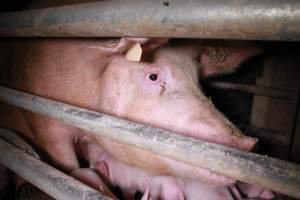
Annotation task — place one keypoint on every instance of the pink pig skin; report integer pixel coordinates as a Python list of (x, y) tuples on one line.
[(131, 179), (94, 74)]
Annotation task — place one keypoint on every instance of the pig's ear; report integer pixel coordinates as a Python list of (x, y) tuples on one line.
[(118, 46), (225, 57), (102, 51)]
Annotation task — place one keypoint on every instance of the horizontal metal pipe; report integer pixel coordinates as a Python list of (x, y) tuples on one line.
[(278, 175), (289, 94), (220, 19), (55, 183)]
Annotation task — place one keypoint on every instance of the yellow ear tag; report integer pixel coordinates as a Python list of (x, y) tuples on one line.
[(134, 53)]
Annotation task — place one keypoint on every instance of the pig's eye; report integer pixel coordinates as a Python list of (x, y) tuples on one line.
[(153, 77)]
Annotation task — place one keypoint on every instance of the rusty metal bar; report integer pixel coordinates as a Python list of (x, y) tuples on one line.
[(289, 94), (55, 183), (226, 19), (277, 175)]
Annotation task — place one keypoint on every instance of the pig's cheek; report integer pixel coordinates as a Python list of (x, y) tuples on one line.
[(153, 88), (158, 90)]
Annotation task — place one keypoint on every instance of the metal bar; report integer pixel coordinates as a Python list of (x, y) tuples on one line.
[(55, 183), (289, 94), (219, 19), (278, 175)]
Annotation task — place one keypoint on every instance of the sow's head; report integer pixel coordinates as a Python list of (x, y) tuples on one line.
[(162, 90)]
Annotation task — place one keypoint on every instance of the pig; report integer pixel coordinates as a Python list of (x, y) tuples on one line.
[(162, 91), (131, 179)]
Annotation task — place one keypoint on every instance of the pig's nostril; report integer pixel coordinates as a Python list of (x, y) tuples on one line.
[(153, 77)]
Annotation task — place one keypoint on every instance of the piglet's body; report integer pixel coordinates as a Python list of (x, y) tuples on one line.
[(161, 90), (131, 179)]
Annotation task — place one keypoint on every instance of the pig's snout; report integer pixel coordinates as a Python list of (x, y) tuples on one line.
[(217, 129), (203, 121)]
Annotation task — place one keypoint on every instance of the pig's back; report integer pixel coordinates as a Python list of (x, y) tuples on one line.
[(49, 68)]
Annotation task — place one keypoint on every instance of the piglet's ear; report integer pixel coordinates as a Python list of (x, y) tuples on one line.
[(220, 58)]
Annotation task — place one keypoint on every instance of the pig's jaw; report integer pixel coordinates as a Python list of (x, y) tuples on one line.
[(224, 134)]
